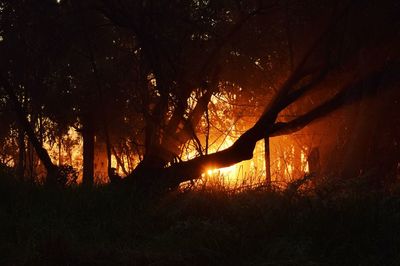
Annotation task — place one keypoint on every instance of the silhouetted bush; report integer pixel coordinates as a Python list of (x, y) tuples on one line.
[(67, 175)]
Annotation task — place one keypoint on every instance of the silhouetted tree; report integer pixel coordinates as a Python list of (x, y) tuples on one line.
[(140, 75)]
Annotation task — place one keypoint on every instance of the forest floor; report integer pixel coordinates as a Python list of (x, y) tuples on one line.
[(340, 223)]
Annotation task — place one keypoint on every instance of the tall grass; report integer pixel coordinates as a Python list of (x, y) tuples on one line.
[(338, 223)]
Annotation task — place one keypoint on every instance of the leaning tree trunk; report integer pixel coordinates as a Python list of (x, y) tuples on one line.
[(267, 126), (52, 170)]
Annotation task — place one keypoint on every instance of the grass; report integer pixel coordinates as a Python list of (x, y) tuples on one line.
[(345, 223)]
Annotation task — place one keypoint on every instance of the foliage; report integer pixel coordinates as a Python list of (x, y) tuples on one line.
[(67, 175)]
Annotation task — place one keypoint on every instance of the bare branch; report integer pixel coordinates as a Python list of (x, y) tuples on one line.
[(348, 95)]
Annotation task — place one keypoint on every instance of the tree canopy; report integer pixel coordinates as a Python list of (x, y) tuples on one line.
[(151, 80)]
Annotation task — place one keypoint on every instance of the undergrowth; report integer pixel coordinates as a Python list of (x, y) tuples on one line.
[(338, 223)]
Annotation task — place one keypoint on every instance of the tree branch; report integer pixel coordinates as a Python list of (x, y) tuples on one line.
[(348, 95)]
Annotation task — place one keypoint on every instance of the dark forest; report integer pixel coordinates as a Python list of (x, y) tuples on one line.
[(199, 132)]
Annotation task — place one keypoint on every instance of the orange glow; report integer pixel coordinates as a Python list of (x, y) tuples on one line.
[(289, 159), (252, 172)]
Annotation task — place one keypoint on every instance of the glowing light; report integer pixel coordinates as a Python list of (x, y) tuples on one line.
[(288, 159)]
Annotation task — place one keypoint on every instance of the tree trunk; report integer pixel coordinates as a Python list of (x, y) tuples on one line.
[(21, 154), (297, 171), (59, 150), (314, 162), (267, 154), (88, 152)]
